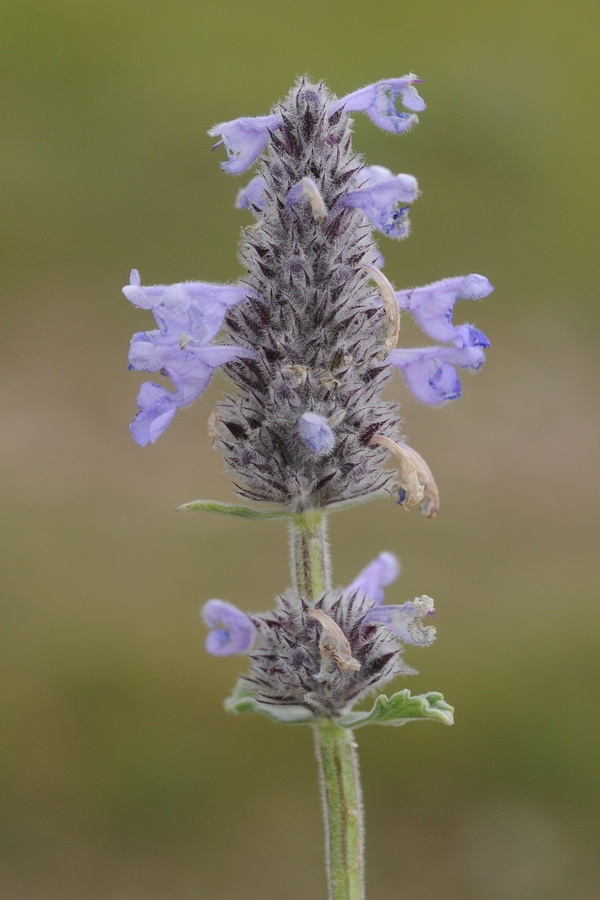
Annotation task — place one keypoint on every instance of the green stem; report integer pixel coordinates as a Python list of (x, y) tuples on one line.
[(342, 810), (309, 550), (336, 750)]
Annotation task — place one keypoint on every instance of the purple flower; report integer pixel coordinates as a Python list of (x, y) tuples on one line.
[(432, 307), (377, 575), (405, 621), (316, 433), (231, 629), (188, 315), (430, 372), (378, 101), (252, 196), (244, 140), (194, 308), (382, 198)]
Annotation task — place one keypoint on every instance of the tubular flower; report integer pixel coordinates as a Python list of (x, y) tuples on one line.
[(432, 307), (378, 101), (188, 316), (244, 140), (381, 200), (252, 196)]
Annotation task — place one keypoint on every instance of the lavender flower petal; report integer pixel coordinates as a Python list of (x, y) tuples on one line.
[(157, 408), (377, 575), (378, 101), (189, 367), (405, 621), (195, 308), (430, 372), (376, 174), (252, 196), (244, 139), (316, 433), (432, 307), (381, 202), (231, 629)]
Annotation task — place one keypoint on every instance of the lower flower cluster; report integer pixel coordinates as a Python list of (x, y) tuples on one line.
[(327, 656)]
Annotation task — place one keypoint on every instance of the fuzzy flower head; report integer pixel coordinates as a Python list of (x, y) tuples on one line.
[(327, 656), (308, 336)]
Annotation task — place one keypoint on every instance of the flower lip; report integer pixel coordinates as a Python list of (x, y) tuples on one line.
[(430, 372)]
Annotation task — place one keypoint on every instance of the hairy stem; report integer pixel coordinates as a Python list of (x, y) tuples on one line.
[(342, 810), (309, 550), (336, 753)]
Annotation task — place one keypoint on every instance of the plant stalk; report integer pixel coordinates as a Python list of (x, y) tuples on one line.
[(342, 810), (336, 750), (309, 551)]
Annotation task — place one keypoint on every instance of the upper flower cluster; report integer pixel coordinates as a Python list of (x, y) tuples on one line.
[(313, 324)]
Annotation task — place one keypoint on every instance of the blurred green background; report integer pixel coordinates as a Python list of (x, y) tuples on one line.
[(121, 778)]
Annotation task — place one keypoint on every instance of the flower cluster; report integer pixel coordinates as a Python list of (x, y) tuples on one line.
[(312, 335), (328, 656)]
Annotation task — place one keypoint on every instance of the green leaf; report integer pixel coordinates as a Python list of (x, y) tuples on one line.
[(246, 512), (231, 509), (401, 708), (243, 701)]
